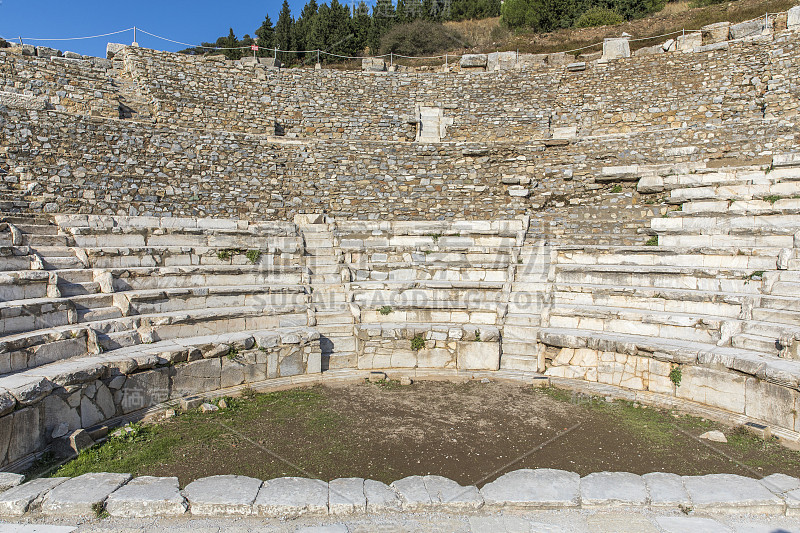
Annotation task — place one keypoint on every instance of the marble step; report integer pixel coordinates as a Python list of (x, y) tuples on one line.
[(756, 343), (99, 313), (78, 289)]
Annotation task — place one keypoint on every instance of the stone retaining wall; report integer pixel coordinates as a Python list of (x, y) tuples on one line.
[(122, 496), (91, 392)]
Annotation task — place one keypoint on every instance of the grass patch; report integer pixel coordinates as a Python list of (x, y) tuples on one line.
[(385, 310)]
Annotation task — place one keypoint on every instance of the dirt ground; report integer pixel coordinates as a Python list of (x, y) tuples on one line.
[(470, 432)]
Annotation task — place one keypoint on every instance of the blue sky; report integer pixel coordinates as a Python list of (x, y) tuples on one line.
[(190, 22)]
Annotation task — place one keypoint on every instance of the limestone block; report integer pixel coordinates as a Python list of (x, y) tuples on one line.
[(22, 101), (9, 480), (478, 355), (113, 49), (198, 376), (730, 493), (448, 495), (666, 490), (373, 64), (413, 494), (501, 61), (473, 60), (713, 387), (613, 489), (566, 132), (47, 52), (435, 358), (716, 33), (28, 496), (543, 488), (346, 496), (793, 22), (747, 29), (289, 497), (147, 496), (769, 402), (616, 48), (145, 389), (781, 483), (27, 435), (222, 495), (650, 184), (81, 495), (380, 497), (689, 41)]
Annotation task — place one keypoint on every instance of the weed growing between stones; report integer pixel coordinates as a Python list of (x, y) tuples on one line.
[(772, 198), (418, 342), (385, 310), (233, 353), (477, 335), (616, 188), (253, 256), (652, 241), (675, 376)]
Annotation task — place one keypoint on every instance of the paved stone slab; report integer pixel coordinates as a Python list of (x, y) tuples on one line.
[(450, 496), (729, 493), (613, 489), (619, 521), (16, 501), (666, 490), (292, 496), (380, 497), (684, 524), (331, 528), (780, 483), (9, 480), (346, 496), (83, 494), (544, 488), (222, 495), (413, 494), (34, 528), (147, 496)]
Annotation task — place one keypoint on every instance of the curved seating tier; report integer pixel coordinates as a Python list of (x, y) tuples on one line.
[(103, 316), (709, 314)]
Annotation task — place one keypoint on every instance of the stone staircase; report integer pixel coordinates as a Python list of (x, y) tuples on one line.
[(329, 301)]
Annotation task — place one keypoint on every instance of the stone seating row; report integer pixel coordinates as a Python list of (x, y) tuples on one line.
[(45, 403), (123, 496)]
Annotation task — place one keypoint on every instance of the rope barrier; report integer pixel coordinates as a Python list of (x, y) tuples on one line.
[(77, 38), (318, 52)]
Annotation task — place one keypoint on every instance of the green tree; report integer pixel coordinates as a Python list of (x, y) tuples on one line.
[(340, 35), (230, 43), (284, 33), (302, 30), (361, 22), (383, 18), (265, 37)]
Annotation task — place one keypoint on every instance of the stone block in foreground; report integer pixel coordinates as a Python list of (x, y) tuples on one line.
[(448, 495), (147, 496), (666, 490), (23, 498), (613, 489), (729, 493), (10, 480), (82, 495), (222, 495), (289, 497), (346, 496), (380, 497), (544, 488)]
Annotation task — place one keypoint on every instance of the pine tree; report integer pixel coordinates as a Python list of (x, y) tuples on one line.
[(340, 34), (383, 18), (360, 23), (302, 29), (284, 33), (266, 38), (230, 42)]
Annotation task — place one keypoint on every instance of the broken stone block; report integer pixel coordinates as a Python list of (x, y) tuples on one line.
[(208, 408), (616, 48), (714, 436), (716, 33), (793, 21), (373, 64), (473, 61), (113, 49)]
